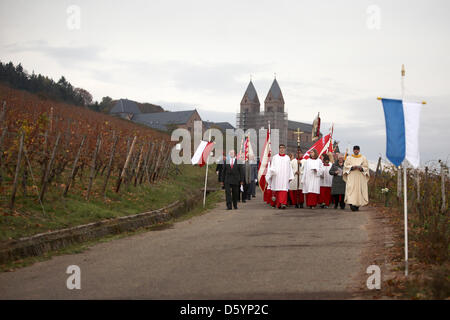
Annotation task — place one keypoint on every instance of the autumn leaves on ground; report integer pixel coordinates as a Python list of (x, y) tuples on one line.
[(81, 184)]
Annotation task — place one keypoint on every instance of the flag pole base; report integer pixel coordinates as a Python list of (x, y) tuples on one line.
[(406, 268)]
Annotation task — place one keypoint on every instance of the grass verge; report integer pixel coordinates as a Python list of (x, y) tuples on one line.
[(28, 218)]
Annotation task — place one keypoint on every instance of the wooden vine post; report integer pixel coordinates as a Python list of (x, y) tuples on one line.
[(75, 162), (155, 171), (111, 158), (151, 164), (94, 160), (132, 170), (141, 154), (49, 168), (147, 157), (167, 162), (16, 176), (125, 166), (2, 138), (443, 181)]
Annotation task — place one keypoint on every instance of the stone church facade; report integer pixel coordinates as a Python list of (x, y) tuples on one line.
[(250, 116)]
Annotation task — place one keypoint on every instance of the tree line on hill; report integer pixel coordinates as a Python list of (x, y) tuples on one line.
[(45, 87)]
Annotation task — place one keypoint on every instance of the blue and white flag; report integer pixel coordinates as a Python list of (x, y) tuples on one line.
[(402, 131)]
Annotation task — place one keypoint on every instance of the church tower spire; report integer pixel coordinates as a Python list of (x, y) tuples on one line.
[(250, 102), (274, 101)]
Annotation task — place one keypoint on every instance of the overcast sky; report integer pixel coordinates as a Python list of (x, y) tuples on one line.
[(332, 57)]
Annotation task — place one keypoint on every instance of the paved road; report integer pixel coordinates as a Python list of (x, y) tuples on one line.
[(255, 252)]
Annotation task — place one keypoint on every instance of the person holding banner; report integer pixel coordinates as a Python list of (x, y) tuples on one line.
[(268, 195), (295, 186), (253, 178), (232, 176), (247, 179), (311, 179), (279, 175), (356, 175)]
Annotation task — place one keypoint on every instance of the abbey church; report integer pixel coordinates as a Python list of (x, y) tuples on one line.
[(250, 116)]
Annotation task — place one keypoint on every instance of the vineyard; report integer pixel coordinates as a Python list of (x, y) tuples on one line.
[(428, 225), (53, 154)]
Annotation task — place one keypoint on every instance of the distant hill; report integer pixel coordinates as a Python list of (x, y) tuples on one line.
[(23, 107), (149, 107), (44, 87)]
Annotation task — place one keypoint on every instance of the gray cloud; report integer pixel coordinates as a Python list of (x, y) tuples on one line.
[(213, 78), (200, 54), (62, 53), (206, 78)]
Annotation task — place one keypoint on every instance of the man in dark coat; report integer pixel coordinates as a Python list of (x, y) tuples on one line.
[(219, 168), (251, 174), (243, 195), (232, 178), (338, 184)]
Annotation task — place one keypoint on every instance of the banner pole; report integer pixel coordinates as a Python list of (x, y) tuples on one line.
[(405, 205), (206, 175), (405, 189)]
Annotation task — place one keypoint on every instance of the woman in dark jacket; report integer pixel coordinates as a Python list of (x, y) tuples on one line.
[(338, 185)]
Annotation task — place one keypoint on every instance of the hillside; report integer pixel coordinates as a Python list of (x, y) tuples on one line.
[(62, 165), (24, 106), (44, 143)]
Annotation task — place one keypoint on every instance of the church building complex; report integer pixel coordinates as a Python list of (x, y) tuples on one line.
[(250, 116)]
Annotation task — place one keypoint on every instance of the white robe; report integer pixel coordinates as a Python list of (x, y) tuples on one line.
[(356, 189), (311, 178), (280, 173), (293, 183), (326, 179)]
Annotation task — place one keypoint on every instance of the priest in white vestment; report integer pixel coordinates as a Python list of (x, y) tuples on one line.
[(280, 174), (356, 175), (311, 179)]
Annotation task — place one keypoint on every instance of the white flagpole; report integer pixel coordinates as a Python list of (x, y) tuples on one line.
[(270, 151), (405, 190), (240, 148), (206, 176)]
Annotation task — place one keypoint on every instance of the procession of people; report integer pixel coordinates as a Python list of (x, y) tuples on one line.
[(319, 181)]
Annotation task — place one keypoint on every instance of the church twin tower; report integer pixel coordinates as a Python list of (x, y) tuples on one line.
[(250, 115), (274, 101)]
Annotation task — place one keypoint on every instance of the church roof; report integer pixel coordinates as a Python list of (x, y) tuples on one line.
[(161, 120), (275, 91), (305, 127), (125, 106), (251, 93), (221, 125)]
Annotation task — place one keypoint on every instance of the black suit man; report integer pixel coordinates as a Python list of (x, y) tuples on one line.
[(232, 176)]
